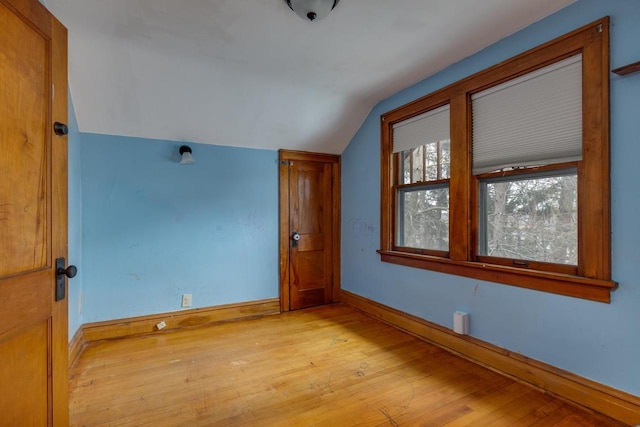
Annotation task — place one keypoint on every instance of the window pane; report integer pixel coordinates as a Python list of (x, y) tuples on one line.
[(445, 159), (405, 173), (417, 164), (530, 218), (429, 162), (423, 217)]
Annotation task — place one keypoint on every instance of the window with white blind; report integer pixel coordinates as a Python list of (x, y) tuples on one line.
[(422, 188), (531, 121), (504, 176)]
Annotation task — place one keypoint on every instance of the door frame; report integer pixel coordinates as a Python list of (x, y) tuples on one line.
[(284, 159)]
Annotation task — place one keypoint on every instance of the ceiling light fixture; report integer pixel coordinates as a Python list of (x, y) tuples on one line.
[(313, 10)]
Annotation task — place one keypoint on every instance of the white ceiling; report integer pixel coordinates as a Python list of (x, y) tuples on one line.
[(251, 73)]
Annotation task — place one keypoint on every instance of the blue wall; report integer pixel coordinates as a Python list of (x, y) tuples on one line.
[(75, 223), (155, 229), (594, 340)]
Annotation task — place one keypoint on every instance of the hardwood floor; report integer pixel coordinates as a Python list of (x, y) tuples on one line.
[(325, 366)]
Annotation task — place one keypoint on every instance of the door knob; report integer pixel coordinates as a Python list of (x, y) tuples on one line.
[(295, 236), (60, 129), (70, 271)]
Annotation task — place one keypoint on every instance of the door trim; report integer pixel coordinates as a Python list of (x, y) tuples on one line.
[(285, 156), (59, 160)]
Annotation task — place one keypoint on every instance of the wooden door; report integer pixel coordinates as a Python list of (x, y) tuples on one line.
[(33, 216), (309, 229)]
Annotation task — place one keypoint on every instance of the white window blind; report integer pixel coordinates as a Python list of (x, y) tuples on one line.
[(533, 120), (432, 126)]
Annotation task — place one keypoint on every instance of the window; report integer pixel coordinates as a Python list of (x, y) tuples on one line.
[(527, 213), (422, 149), (530, 217), (504, 176)]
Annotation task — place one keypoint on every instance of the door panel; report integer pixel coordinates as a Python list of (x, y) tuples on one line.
[(310, 188), (23, 301), (23, 213), (25, 360), (310, 210), (33, 203)]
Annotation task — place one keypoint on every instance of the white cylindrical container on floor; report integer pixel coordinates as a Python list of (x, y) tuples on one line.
[(461, 323)]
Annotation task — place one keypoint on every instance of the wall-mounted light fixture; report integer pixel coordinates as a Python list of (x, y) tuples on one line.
[(185, 155), (313, 10)]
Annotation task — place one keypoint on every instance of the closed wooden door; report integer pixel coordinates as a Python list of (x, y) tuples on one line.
[(309, 203), (33, 215)]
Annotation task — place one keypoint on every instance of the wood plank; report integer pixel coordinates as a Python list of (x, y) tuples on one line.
[(325, 366), (387, 215), (32, 11), (562, 284), (294, 155), (24, 368), (25, 141), (336, 209), (120, 328), (590, 394), (76, 346), (284, 203), (59, 150), (627, 69), (594, 241), (459, 184)]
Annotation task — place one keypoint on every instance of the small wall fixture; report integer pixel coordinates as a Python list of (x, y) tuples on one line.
[(312, 10), (185, 155)]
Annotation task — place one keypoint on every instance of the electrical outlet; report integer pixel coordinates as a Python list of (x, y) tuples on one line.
[(161, 325), (186, 300)]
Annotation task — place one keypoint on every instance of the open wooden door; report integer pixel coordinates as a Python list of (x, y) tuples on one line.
[(33, 216), (309, 229)]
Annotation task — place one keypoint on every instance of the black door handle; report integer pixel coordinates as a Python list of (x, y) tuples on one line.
[(60, 129), (61, 273), (70, 271)]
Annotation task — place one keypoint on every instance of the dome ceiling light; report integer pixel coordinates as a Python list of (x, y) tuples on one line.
[(312, 10)]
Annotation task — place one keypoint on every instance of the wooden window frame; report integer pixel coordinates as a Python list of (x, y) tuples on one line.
[(593, 278)]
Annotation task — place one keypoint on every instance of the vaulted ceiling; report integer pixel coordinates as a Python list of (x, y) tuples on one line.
[(251, 73)]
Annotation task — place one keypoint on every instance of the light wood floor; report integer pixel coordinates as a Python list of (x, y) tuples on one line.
[(327, 366)]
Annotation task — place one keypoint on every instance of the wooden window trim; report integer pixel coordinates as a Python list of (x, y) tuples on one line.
[(424, 184), (593, 278)]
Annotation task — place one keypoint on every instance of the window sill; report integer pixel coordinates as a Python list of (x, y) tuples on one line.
[(562, 284)]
